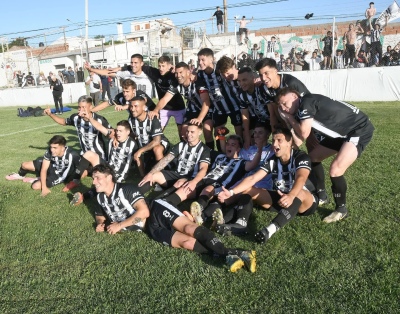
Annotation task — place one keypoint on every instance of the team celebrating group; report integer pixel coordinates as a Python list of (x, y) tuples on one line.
[(225, 177)]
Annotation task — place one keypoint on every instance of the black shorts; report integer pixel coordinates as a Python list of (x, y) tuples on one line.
[(52, 178), (171, 177), (276, 197), (161, 220), (327, 52), (360, 137), (221, 119), (204, 183), (242, 31), (193, 115)]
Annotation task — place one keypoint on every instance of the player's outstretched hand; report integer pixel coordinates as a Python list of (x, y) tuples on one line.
[(224, 195)]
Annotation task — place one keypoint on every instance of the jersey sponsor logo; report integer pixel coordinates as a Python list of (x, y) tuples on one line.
[(136, 194), (304, 162), (157, 130), (303, 112)]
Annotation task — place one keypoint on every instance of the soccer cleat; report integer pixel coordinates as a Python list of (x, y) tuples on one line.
[(262, 236), (339, 214), (218, 218), (14, 176), (195, 211), (77, 199), (231, 229), (323, 197), (69, 186), (249, 259), (234, 262), (29, 180)]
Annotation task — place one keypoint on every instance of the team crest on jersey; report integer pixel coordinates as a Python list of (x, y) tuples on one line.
[(66, 161), (117, 201), (148, 128), (126, 149), (159, 81)]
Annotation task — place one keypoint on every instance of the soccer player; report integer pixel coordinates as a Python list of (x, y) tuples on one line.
[(344, 131), (224, 101), (121, 206), (150, 137), (55, 167), (167, 107), (193, 159), (254, 104), (170, 227), (122, 100), (292, 191), (197, 101), (273, 82), (89, 137), (119, 155)]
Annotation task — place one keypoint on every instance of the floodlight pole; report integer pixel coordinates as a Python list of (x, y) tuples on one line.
[(333, 43), (235, 60), (225, 17)]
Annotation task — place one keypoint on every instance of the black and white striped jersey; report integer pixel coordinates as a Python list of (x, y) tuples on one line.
[(287, 80), (63, 166), (192, 94), (90, 138), (163, 85), (119, 99), (222, 96), (227, 171), (120, 157), (145, 130), (331, 118), (256, 103), (120, 205), (284, 175), (189, 157)]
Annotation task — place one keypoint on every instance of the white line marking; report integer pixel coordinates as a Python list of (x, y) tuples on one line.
[(40, 127)]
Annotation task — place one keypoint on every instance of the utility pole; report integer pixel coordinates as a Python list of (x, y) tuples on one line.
[(225, 17)]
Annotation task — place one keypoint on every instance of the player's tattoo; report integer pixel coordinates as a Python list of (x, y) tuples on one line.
[(162, 163), (137, 220)]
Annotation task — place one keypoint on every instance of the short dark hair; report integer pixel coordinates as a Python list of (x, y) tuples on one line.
[(224, 64), (137, 55), (58, 139), (85, 98), (200, 125), (206, 52), (125, 124), (138, 98), (286, 132), (284, 91), (245, 70), (264, 125), (105, 169), (182, 65), (164, 59), (236, 137), (266, 62), (128, 83)]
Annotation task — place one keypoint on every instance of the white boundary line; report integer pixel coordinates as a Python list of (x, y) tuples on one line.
[(40, 127)]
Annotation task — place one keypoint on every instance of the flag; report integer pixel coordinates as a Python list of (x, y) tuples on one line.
[(390, 14)]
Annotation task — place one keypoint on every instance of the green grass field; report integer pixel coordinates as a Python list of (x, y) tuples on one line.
[(52, 261)]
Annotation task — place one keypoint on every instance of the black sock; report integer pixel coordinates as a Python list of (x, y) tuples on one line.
[(244, 208), (317, 175), (82, 166), (173, 199), (209, 210), (203, 200), (22, 172), (208, 239), (219, 146), (198, 248), (287, 214), (210, 145), (339, 189)]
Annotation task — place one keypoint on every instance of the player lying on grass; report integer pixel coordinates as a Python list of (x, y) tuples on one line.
[(343, 129), (56, 166), (292, 191)]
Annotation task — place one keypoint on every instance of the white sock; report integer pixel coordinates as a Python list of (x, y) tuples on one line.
[(271, 229)]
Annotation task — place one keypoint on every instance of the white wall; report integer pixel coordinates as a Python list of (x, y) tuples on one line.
[(40, 96)]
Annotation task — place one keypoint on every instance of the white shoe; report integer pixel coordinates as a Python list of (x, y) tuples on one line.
[(14, 176), (195, 211), (336, 216)]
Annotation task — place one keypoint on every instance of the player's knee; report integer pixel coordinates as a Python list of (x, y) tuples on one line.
[(188, 244), (336, 170), (36, 185)]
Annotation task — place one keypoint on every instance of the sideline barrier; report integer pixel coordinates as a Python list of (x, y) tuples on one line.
[(40, 96), (361, 84)]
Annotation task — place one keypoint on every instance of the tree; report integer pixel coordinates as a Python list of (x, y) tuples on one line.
[(19, 41)]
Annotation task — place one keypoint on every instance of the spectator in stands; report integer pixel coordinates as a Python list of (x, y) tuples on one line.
[(42, 80), (376, 46), (339, 62), (298, 61), (220, 21), (349, 39), (19, 78), (243, 30), (80, 74), (95, 87), (288, 66), (281, 63), (70, 75), (254, 51), (361, 60), (60, 76), (106, 86), (327, 52), (30, 81), (369, 13), (23, 80), (314, 62)]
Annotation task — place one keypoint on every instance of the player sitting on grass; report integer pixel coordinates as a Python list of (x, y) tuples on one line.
[(55, 167), (291, 195), (169, 226), (120, 157), (121, 206)]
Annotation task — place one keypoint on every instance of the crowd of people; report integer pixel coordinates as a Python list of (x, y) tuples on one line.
[(225, 176)]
